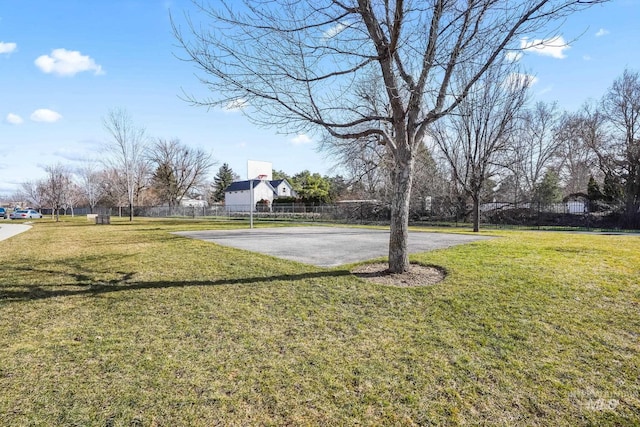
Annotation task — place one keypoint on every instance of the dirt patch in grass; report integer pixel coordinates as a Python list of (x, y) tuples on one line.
[(418, 275)]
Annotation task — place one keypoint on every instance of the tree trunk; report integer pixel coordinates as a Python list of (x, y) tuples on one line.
[(402, 176), (476, 213), (130, 211)]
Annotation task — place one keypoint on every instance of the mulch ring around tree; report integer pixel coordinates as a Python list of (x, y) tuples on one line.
[(418, 275)]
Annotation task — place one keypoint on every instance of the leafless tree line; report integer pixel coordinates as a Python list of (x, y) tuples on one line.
[(498, 147), (134, 170)]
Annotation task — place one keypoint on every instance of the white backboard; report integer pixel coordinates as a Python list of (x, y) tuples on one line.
[(257, 168)]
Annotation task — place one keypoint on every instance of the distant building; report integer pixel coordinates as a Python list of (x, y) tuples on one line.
[(237, 196), (194, 203), (282, 188)]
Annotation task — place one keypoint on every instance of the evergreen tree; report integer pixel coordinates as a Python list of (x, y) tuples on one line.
[(548, 191), (164, 183), (593, 190), (612, 189), (279, 174), (221, 181)]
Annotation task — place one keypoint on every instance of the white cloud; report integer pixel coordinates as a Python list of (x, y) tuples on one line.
[(301, 139), (235, 105), (586, 57), (553, 47), (45, 115), (512, 56), (334, 31), (67, 63), (602, 32), (14, 119), (7, 47)]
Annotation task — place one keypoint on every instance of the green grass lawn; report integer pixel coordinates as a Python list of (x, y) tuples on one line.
[(127, 324)]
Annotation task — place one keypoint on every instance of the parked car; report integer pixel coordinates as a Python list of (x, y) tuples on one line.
[(3, 213), (25, 213)]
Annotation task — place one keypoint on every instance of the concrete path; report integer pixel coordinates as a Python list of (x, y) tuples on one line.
[(326, 246), (9, 230)]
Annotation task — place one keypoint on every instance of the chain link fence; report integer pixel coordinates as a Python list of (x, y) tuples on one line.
[(341, 212), (570, 214), (444, 212)]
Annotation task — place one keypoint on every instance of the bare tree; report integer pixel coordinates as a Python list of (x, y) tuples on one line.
[(473, 139), (114, 188), (91, 183), (126, 151), (621, 155), (72, 197), (57, 185), (178, 169), (299, 64), (142, 182), (367, 164), (577, 162), (534, 146), (32, 192)]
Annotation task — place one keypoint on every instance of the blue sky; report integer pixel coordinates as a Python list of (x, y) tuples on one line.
[(64, 64)]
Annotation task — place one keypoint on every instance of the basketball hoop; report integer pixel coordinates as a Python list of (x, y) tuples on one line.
[(261, 177)]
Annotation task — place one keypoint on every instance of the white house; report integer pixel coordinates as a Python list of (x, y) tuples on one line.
[(282, 188), (237, 196)]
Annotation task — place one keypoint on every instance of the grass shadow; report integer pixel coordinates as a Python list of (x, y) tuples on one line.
[(39, 292)]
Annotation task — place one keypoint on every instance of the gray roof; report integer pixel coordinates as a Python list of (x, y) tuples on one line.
[(244, 185)]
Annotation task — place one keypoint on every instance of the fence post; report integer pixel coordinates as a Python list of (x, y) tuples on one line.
[(538, 221)]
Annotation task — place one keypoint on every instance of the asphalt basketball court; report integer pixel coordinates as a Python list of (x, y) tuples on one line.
[(326, 246), (317, 245)]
